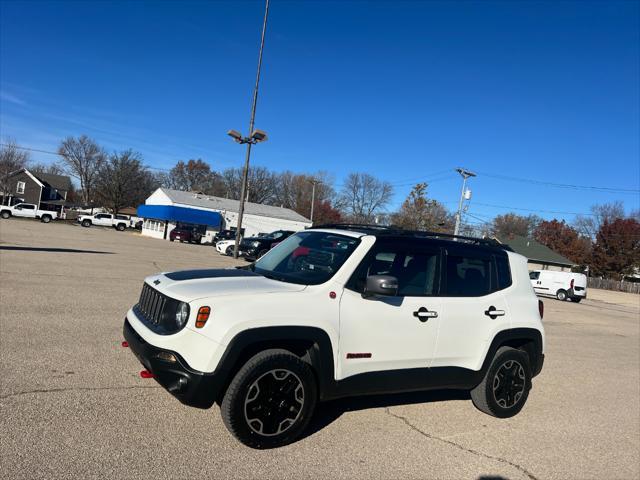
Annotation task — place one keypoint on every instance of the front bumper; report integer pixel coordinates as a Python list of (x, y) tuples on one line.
[(190, 386)]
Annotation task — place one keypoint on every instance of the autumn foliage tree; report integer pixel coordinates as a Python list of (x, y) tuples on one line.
[(511, 224), (564, 239), (418, 212), (616, 252)]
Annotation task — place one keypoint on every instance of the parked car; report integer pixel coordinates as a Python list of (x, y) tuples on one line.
[(562, 285), (225, 247), (253, 248), (27, 210), (226, 235), (340, 311), (185, 234), (119, 222)]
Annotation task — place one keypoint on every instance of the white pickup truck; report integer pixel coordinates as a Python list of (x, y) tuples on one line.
[(119, 222), (27, 210)]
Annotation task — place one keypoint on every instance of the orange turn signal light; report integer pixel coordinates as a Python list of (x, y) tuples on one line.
[(203, 316)]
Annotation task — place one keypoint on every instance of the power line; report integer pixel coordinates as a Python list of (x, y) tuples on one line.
[(509, 207), (560, 185)]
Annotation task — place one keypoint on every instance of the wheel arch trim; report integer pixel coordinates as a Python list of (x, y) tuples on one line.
[(319, 355)]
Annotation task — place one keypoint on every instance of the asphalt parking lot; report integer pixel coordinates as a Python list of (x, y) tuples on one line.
[(73, 405)]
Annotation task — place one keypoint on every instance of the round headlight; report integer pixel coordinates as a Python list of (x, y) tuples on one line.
[(255, 243), (182, 314)]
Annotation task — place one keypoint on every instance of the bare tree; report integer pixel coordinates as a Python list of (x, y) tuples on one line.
[(363, 196), (52, 168), (193, 176), (262, 184), (123, 181), (82, 158), (12, 158), (589, 225)]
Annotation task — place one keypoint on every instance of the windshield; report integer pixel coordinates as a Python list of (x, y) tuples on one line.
[(307, 258)]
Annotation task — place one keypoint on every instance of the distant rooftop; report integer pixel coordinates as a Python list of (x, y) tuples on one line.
[(535, 251), (218, 203)]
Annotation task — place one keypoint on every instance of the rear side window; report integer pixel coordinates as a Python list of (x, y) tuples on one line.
[(504, 272), (468, 275), (534, 275)]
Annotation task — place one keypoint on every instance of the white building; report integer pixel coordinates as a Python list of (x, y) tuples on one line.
[(165, 209)]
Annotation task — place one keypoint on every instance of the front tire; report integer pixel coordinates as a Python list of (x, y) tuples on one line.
[(270, 400), (86, 223), (576, 299), (505, 387), (229, 251), (561, 295)]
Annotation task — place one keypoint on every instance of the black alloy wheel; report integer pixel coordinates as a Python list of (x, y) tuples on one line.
[(505, 386), (274, 402), (270, 400), (509, 383)]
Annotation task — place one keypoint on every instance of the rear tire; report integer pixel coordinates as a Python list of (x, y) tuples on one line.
[(120, 227), (270, 400), (561, 295), (46, 218), (576, 299), (5, 214), (505, 387)]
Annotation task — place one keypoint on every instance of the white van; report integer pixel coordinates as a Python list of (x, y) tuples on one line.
[(561, 285)]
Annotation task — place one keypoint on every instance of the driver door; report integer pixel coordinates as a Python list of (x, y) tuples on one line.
[(391, 332)]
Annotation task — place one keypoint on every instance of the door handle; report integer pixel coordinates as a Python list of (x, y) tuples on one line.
[(493, 313), (423, 314)]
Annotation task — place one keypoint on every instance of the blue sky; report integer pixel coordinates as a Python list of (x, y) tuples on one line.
[(545, 91)]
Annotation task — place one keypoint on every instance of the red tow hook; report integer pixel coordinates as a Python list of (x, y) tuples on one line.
[(146, 374), (125, 344)]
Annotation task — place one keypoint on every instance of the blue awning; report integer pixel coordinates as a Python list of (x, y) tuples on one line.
[(180, 214)]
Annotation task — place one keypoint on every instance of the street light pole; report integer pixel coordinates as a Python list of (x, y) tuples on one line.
[(465, 174), (245, 170)]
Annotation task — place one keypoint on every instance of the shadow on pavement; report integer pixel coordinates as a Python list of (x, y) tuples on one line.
[(52, 249), (329, 412)]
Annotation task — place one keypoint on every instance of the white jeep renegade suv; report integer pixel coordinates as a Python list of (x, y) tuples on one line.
[(336, 311)]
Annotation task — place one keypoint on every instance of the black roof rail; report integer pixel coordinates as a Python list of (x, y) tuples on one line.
[(395, 230)]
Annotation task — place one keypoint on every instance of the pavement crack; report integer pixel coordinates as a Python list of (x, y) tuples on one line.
[(458, 446), (71, 389)]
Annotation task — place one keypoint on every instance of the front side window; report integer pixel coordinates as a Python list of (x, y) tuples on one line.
[(468, 275), (20, 187), (417, 270), (307, 258), (26, 206)]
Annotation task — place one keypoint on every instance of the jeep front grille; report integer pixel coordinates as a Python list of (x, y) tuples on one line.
[(156, 310)]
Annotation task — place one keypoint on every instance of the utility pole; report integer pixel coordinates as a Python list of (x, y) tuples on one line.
[(465, 174), (314, 182), (253, 138)]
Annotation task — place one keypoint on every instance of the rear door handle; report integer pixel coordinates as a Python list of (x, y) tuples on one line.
[(423, 314), (493, 313)]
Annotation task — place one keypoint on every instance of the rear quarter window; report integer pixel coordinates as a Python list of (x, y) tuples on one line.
[(503, 272)]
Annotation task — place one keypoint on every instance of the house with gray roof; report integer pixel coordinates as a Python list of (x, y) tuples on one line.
[(540, 257), (166, 209)]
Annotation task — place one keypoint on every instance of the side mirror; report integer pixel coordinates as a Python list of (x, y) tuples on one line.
[(380, 285)]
